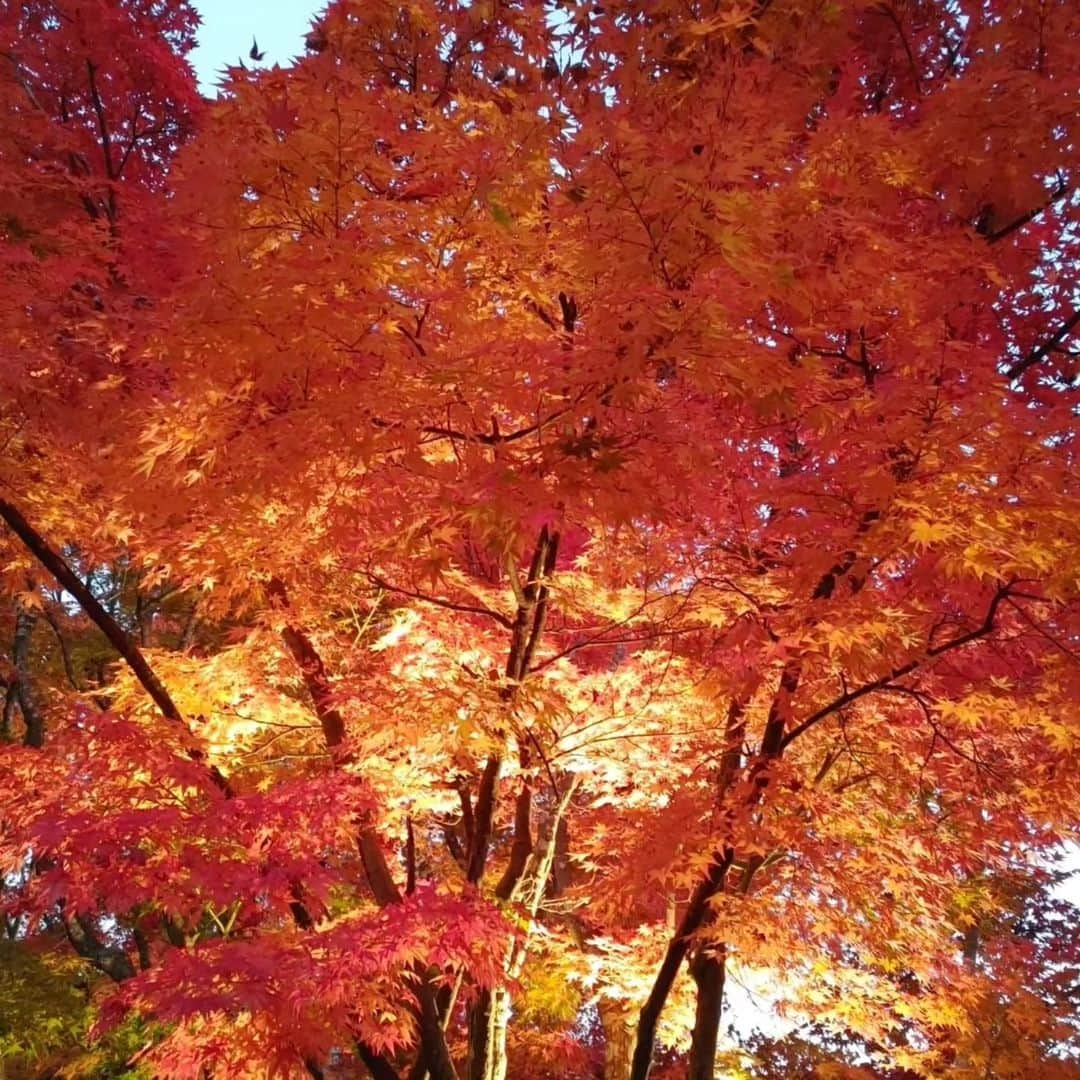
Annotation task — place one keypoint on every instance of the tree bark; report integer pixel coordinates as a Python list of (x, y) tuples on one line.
[(693, 919), (433, 1046), (25, 621), (489, 1023), (698, 912), (490, 1016), (708, 970), (110, 959), (11, 703), (65, 651), (40, 549), (617, 1020)]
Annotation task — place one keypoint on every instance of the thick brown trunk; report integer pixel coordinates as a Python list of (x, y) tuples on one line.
[(708, 970)]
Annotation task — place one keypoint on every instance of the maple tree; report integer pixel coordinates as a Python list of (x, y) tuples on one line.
[(535, 507)]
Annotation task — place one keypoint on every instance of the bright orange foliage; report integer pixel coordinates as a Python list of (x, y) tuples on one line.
[(584, 496)]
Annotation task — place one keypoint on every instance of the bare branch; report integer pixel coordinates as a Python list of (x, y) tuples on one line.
[(1059, 192), (1042, 350), (438, 601), (849, 696)]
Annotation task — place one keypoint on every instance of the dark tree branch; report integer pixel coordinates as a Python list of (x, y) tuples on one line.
[(485, 808), (527, 628), (112, 630), (522, 845), (849, 696), (437, 601), (40, 549), (65, 651), (410, 858), (694, 917), (109, 959), (1059, 192), (1042, 350), (378, 1066), (103, 124)]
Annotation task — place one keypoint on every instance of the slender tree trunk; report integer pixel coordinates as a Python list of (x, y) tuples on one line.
[(708, 970), (694, 917), (773, 741), (25, 621), (187, 636), (489, 1023), (433, 1046), (11, 703), (617, 1019), (698, 912), (489, 1018), (65, 651)]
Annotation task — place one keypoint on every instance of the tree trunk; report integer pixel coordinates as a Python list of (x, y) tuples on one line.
[(694, 917), (110, 959), (28, 703), (65, 651), (708, 970), (490, 1016), (489, 1022), (617, 1019), (433, 1048), (489, 1019), (11, 703)]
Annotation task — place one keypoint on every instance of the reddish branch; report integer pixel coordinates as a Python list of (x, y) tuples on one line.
[(311, 666)]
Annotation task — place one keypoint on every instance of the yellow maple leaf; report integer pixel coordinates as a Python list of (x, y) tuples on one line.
[(924, 532)]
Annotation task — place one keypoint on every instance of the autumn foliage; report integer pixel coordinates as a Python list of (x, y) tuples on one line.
[(534, 517)]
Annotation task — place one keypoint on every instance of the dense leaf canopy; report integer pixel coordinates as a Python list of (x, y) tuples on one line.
[(531, 510)]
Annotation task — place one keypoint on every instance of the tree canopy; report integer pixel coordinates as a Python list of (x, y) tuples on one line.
[(531, 511)]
